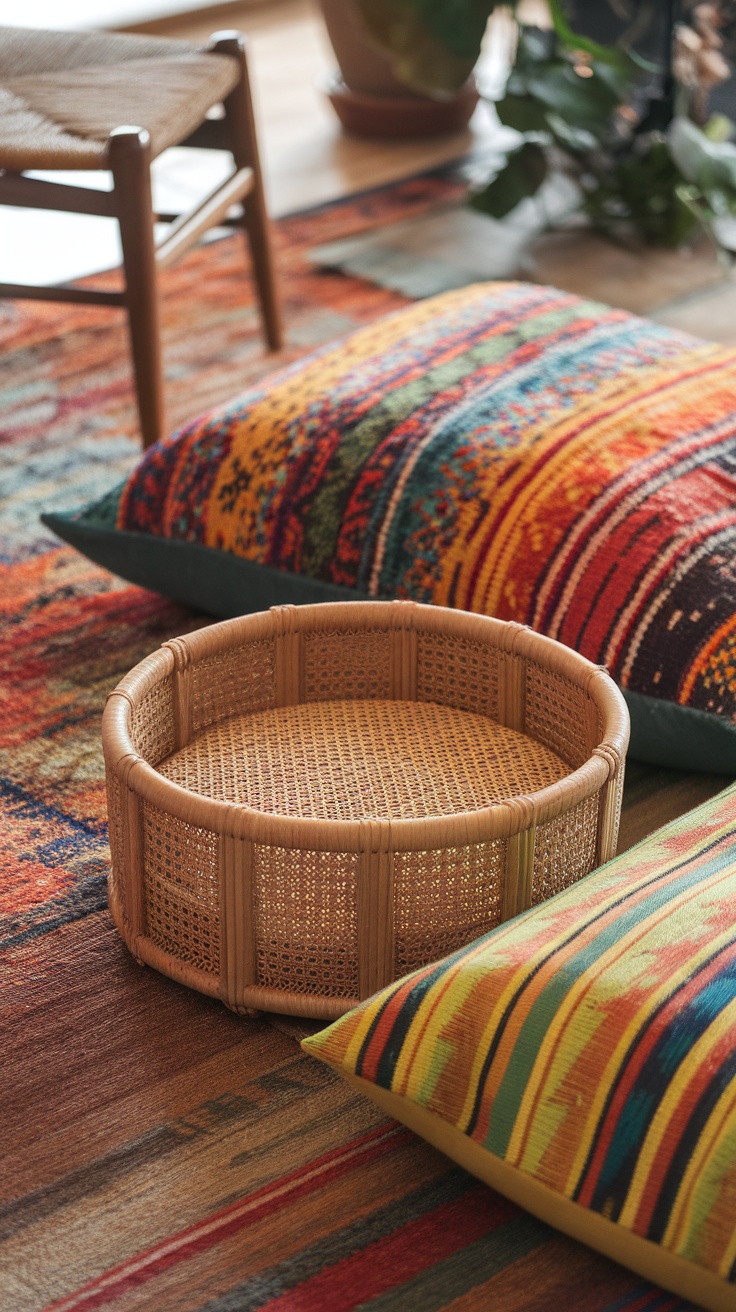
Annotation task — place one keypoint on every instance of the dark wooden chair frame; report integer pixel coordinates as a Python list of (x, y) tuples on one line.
[(130, 202)]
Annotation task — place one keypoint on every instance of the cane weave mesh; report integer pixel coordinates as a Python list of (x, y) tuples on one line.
[(306, 921), (557, 713), (232, 682), (457, 672), (62, 93), (181, 883), (152, 722), (346, 665), (443, 899), (362, 760), (564, 849)]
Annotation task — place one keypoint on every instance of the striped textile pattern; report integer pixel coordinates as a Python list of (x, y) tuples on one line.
[(590, 1043), (506, 448), (158, 1152)]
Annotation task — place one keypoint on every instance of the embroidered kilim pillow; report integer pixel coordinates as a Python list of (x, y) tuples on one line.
[(507, 449), (581, 1058)]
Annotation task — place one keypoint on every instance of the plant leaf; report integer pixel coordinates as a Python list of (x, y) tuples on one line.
[(644, 193), (585, 102), (522, 112), (573, 41), (523, 175), (709, 164), (571, 138), (719, 128)]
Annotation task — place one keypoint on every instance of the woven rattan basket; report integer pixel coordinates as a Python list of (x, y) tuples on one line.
[(307, 803)]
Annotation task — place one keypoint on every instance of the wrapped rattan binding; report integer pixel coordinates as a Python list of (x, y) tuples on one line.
[(306, 803)]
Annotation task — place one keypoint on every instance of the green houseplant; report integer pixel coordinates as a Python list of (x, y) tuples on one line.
[(653, 166)]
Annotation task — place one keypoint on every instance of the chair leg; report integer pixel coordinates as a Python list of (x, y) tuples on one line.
[(130, 162), (241, 129)]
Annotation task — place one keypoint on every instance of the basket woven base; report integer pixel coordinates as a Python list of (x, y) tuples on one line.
[(362, 760)]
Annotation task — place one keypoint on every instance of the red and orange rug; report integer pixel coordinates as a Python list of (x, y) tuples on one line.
[(158, 1152)]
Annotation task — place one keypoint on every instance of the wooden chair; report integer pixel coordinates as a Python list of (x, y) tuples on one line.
[(65, 98)]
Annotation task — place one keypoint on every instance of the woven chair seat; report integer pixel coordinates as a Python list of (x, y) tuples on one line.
[(62, 93)]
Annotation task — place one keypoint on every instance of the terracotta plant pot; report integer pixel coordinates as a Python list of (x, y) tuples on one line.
[(367, 97)]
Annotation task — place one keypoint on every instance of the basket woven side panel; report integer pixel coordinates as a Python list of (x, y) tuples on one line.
[(115, 835), (565, 849), (347, 665), (305, 909), (152, 722), (444, 899), (558, 714), (233, 682), (181, 886), (457, 672)]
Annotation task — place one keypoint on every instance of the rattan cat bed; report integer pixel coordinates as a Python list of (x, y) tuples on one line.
[(307, 803)]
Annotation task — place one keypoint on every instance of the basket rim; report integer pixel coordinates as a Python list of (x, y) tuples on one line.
[(498, 820)]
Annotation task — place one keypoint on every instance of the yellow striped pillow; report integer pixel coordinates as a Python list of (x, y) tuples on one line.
[(582, 1058)]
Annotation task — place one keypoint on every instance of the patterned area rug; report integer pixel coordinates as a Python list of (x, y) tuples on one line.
[(158, 1152)]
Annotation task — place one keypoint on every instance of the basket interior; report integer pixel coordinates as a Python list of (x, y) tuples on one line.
[(451, 671), (362, 760)]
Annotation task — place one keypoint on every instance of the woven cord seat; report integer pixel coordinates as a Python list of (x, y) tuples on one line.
[(65, 98), (62, 94)]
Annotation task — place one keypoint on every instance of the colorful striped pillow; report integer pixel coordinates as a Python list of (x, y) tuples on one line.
[(582, 1058), (506, 449)]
